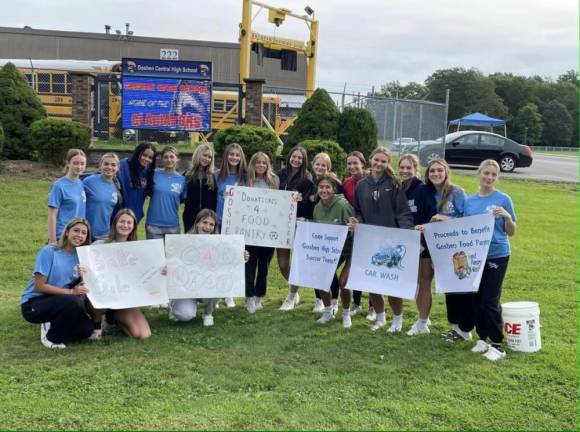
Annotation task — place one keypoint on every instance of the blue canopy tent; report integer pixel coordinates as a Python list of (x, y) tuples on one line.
[(478, 119)]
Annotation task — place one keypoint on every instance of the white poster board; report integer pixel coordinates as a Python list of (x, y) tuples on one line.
[(385, 261), (124, 275), (458, 248), (265, 217), (205, 266), (317, 249)]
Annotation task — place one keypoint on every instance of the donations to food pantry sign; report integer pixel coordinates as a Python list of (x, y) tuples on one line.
[(124, 275), (317, 249), (205, 266), (265, 217), (385, 261), (458, 248), (166, 95)]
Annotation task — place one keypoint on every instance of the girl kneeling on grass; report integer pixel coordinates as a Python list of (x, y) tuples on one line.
[(487, 305), (131, 320), (186, 309), (55, 295), (334, 209)]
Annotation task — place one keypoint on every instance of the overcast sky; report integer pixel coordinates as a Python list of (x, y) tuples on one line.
[(363, 43)]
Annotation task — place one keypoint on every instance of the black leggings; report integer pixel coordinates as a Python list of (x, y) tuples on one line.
[(334, 286), (67, 315), (257, 270)]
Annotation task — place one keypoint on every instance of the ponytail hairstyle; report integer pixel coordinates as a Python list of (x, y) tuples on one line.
[(269, 175), (447, 188), (113, 237), (71, 153), (196, 164), (116, 181), (225, 170), (135, 167), (205, 213), (389, 170)]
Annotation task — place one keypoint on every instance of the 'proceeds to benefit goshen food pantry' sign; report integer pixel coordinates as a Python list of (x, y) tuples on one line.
[(265, 217)]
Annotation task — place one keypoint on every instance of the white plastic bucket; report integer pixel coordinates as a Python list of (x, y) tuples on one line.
[(521, 324)]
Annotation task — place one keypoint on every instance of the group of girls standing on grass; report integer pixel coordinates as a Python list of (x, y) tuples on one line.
[(113, 200)]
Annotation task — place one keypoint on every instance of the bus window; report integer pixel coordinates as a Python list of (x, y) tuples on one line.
[(58, 83), (43, 82), (68, 84), (218, 105), (230, 104)]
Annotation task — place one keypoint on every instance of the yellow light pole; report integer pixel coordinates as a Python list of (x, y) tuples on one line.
[(245, 40)]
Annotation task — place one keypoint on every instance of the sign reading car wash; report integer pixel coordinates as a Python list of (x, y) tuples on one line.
[(166, 95)]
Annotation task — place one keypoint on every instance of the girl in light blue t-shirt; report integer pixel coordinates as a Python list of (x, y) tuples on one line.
[(486, 302), (66, 198)]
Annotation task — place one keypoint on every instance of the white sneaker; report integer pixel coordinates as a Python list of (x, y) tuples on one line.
[(396, 327), (355, 309), (44, 328), (250, 305), (480, 347), (208, 320), (493, 354), (326, 316), (334, 304), (418, 329), (106, 325), (230, 303), (290, 302), (258, 303), (371, 314), (97, 335), (318, 306), (378, 325), (346, 321)]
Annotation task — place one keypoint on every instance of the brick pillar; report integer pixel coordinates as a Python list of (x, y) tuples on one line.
[(81, 99), (254, 108)]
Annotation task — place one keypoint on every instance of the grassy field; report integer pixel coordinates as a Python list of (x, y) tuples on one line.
[(279, 370)]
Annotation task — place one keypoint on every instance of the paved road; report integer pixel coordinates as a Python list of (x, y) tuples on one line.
[(544, 167)]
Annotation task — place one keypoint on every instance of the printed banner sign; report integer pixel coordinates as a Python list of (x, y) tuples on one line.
[(205, 266), (385, 261), (125, 275), (265, 217), (458, 248), (317, 249)]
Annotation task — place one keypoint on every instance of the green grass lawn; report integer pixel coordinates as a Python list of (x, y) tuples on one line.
[(279, 370)]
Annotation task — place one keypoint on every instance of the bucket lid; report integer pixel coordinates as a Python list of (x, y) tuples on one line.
[(520, 305)]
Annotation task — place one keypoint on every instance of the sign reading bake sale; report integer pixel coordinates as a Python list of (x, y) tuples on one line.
[(124, 275), (317, 249), (385, 261), (265, 217), (458, 248)]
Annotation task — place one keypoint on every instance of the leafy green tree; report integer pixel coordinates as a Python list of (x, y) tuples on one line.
[(1, 138), (19, 107), (251, 138), (357, 130), (470, 91), (336, 153), (528, 125), (412, 90), (52, 138), (557, 125), (570, 76), (318, 119)]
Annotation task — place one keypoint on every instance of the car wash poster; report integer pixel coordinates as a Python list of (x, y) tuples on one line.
[(166, 95)]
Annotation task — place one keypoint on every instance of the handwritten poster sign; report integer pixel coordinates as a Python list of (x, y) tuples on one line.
[(265, 217), (458, 248), (317, 248), (205, 266), (125, 275), (385, 261)]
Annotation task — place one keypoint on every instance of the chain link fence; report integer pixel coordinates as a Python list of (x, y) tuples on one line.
[(410, 126)]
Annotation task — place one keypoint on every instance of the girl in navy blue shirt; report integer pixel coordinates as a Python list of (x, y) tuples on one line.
[(487, 304), (136, 178)]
